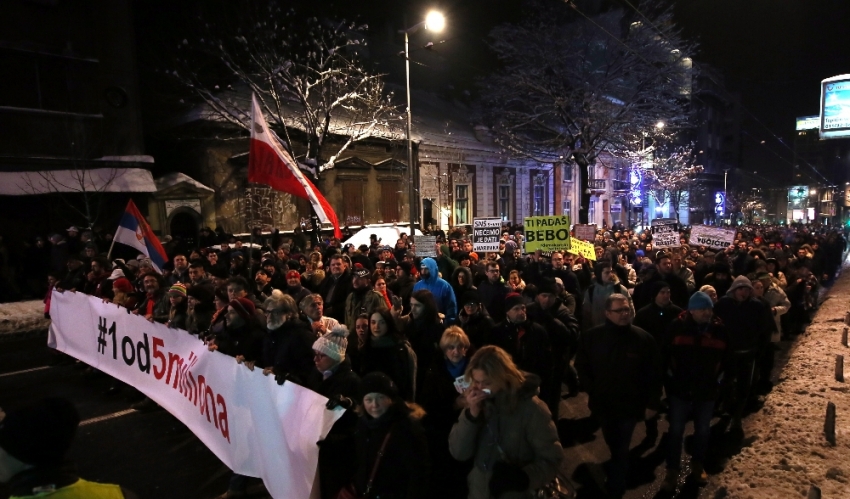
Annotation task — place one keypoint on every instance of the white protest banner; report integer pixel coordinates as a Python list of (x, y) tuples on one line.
[(485, 234), (665, 233), (254, 426), (425, 246), (711, 237), (585, 232)]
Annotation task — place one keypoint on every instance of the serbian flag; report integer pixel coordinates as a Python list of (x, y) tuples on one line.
[(270, 164), (135, 232)]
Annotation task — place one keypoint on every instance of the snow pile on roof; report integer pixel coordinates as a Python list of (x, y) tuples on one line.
[(790, 452), (175, 178), (77, 181), (22, 316)]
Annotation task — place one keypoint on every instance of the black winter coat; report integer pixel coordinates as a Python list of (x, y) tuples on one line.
[(289, 349), (404, 470), (620, 368), (397, 360), (655, 320), (694, 358), (531, 351), (335, 304), (476, 327), (246, 340), (748, 323)]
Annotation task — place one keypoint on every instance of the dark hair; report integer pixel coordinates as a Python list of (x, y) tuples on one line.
[(392, 330), (101, 261), (378, 274), (221, 293), (238, 281), (197, 264), (426, 298)]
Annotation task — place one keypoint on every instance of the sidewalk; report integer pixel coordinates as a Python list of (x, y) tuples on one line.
[(21, 318), (787, 451)]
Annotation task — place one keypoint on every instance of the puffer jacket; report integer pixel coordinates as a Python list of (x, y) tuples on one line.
[(442, 291), (778, 300), (525, 433)]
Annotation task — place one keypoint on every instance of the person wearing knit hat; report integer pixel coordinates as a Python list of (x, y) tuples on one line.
[(116, 274), (378, 383), (696, 344), (179, 311), (749, 323), (700, 301), (243, 307), (122, 284), (330, 349), (177, 289), (34, 441)]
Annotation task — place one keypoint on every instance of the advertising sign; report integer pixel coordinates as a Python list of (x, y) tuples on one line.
[(835, 107), (256, 427), (582, 248), (547, 233), (426, 246), (585, 232), (485, 234), (665, 233), (808, 123), (711, 237)]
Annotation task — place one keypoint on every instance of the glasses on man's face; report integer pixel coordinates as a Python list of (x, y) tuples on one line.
[(619, 310), (493, 271)]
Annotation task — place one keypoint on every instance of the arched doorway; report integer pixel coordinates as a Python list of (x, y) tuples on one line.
[(184, 225)]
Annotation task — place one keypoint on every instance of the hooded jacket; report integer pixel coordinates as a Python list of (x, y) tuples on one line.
[(525, 433), (442, 291), (749, 322)]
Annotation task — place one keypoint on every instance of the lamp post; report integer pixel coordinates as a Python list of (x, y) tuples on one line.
[(434, 21)]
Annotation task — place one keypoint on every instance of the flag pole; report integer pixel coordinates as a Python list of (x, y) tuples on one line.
[(109, 253)]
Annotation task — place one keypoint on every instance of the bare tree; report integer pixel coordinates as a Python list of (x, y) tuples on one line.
[(306, 72), (671, 173), (572, 85)]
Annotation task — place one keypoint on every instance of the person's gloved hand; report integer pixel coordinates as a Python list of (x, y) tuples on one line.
[(507, 478), (339, 401), (282, 378)]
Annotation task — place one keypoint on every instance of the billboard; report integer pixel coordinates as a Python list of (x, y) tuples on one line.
[(808, 123), (835, 107)]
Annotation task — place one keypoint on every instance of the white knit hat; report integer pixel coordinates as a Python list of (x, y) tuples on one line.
[(334, 343)]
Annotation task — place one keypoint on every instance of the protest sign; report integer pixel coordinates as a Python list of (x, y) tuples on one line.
[(547, 233), (665, 233), (485, 234), (585, 232), (582, 248), (711, 237), (426, 246), (254, 426)]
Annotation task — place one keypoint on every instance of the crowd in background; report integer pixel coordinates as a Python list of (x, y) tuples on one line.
[(456, 365)]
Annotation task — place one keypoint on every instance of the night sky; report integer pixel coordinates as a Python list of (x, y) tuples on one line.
[(774, 52)]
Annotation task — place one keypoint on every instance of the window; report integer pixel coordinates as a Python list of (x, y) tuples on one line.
[(539, 200), (461, 204), (567, 207), (591, 212), (505, 202), (38, 81), (568, 172)]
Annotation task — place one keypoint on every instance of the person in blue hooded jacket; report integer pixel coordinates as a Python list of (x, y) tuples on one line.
[(441, 289)]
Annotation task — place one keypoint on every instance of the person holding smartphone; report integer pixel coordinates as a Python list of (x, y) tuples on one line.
[(505, 429)]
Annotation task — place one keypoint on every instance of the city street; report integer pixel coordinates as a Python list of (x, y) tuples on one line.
[(156, 456)]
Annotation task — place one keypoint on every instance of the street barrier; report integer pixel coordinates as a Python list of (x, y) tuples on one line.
[(256, 427)]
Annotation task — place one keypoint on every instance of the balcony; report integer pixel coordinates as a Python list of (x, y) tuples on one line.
[(621, 185), (596, 185)]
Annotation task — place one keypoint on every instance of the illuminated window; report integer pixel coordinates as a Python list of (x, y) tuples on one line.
[(461, 204), (505, 202)]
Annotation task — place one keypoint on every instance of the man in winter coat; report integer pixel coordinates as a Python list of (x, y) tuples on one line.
[(362, 299), (155, 306), (529, 346), (749, 324), (619, 366), (694, 356), (442, 290), (561, 268), (678, 288), (474, 319), (493, 291), (657, 316), (564, 332), (605, 285), (335, 288)]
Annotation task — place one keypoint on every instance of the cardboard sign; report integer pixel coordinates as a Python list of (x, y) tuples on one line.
[(426, 246), (585, 232), (711, 237), (665, 233), (486, 233), (582, 248), (547, 233)]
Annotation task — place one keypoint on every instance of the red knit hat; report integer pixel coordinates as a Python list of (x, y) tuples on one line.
[(123, 285), (293, 274), (244, 307)]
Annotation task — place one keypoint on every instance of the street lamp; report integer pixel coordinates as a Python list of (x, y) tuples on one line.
[(434, 21)]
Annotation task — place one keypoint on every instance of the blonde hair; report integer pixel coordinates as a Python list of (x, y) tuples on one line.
[(454, 335), (498, 366)]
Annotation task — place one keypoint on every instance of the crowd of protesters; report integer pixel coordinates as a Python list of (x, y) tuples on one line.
[(457, 365)]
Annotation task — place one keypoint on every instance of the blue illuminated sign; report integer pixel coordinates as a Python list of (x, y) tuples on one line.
[(635, 194), (719, 203)]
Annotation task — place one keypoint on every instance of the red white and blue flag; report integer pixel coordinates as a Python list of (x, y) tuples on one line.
[(135, 232), (269, 163)]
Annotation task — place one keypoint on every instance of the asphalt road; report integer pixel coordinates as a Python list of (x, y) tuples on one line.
[(156, 456)]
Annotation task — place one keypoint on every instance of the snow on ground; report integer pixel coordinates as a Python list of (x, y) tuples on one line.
[(789, 452), (22, 316)]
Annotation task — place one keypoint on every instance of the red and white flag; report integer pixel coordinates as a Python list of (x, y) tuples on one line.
[(269, 163)]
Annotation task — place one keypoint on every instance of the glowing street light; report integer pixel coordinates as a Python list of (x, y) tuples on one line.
[(434, 21), (660, 125)]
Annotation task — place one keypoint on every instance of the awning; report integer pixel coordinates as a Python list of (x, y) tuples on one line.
[(76, 181)]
